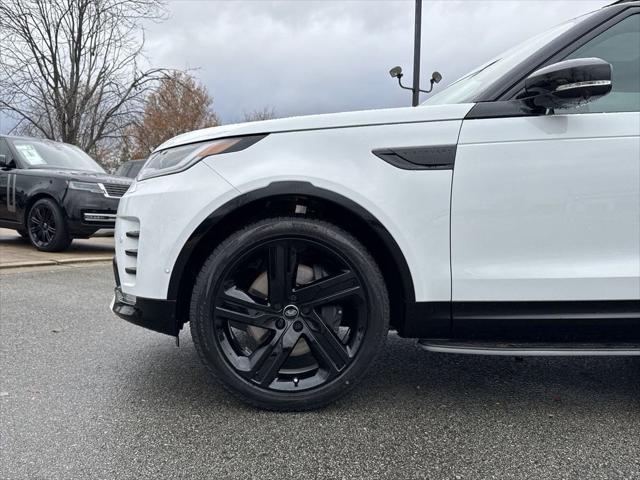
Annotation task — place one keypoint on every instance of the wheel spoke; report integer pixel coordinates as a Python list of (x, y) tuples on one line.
[(262, 320), (329, 290), (281, 271), (36, 221), (267, 360), (326, 346), (235, 302)]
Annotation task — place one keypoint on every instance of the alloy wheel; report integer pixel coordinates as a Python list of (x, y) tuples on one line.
[(290, 314), (42, 225)]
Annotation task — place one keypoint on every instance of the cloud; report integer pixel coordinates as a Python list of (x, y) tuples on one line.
[(305, 57)]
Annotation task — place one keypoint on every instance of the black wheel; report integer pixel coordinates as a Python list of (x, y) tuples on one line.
[(47, 226), (289, 313)]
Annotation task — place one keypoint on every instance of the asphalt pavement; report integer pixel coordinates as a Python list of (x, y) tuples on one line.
[(84, 395)]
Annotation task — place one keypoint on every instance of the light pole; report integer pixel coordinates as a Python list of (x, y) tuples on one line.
[(416, 54), (396, 72)]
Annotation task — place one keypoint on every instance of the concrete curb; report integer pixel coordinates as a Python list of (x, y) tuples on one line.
[(45, 263)]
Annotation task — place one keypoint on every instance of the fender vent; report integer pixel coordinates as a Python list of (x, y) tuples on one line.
[(436, 157)]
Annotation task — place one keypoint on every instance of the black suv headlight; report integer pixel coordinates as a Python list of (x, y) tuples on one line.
[(85, 186), (177, 159)]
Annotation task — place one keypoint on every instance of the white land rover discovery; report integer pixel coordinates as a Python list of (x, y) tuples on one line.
[(500, 217)]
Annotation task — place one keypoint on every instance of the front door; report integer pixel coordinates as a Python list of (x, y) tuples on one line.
[(547, 208)]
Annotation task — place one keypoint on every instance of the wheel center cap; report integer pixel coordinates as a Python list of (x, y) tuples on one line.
[(290, 311)]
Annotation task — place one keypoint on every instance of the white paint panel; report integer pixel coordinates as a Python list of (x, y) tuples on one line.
[(412, 204), (547, 208), (166, 210), (387, 116)]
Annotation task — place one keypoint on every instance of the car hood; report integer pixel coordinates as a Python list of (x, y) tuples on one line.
[(320, 122), (81, 176)]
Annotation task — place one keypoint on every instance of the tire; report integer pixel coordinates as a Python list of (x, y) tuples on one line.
[(319, 327), (24, 234), (46, 226)]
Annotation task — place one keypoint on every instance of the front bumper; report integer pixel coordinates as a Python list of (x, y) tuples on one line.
[(151, 313), (88, 212), (155, 220)]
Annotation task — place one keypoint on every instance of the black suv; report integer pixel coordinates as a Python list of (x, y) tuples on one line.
[(52, 192)]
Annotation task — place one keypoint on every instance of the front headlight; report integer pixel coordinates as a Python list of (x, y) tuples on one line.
[(85, 186), (178, 159)]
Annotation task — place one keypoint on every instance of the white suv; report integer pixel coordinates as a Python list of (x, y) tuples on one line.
[(502, 216)]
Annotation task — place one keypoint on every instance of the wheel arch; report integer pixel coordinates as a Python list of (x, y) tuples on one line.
[(280, 198), (33, 198)]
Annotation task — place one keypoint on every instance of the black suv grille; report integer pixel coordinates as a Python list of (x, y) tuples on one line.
[(116, 189)]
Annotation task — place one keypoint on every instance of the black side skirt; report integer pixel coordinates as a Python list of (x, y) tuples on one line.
[(557, 321)]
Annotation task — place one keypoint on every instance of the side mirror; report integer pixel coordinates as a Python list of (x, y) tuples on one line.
[(568, 84)]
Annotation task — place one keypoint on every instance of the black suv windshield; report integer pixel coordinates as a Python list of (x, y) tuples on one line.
[(36, 153)]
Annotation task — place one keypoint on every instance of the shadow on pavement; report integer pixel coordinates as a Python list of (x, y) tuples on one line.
[(417, 381)]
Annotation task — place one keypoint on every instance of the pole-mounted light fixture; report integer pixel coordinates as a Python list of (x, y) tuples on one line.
[(396, 72)]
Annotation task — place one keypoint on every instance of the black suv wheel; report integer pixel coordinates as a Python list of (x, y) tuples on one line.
[(47, 227), (289, 313)]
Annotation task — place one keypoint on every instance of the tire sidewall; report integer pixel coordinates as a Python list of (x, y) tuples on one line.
[(213, 273)]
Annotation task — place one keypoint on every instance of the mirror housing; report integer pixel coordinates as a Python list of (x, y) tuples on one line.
[(567, 84)]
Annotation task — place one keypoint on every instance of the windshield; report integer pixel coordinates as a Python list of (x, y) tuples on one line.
[(130, 169), (135, 169), (48, 154), (467, 88)]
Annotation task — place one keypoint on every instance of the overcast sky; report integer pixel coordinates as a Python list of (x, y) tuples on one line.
[(303, 57)]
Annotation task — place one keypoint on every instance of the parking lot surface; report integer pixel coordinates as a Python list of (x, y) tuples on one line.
[(85, 395), (15, 252)]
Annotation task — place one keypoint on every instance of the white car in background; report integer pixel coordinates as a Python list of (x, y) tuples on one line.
[(500, 217)]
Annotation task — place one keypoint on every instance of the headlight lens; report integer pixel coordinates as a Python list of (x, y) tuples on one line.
[(85, 186), (177, 159)]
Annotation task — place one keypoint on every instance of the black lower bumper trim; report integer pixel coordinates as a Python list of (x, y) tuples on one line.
[(154, 314)]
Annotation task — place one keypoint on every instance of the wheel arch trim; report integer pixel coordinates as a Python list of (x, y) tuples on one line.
[(36, 195), (283, 188)]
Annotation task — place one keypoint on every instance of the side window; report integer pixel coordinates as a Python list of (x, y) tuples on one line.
[(620, 46)]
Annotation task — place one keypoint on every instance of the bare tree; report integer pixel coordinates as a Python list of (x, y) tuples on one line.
[(70, 69), (178, 105), (267, 113)]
